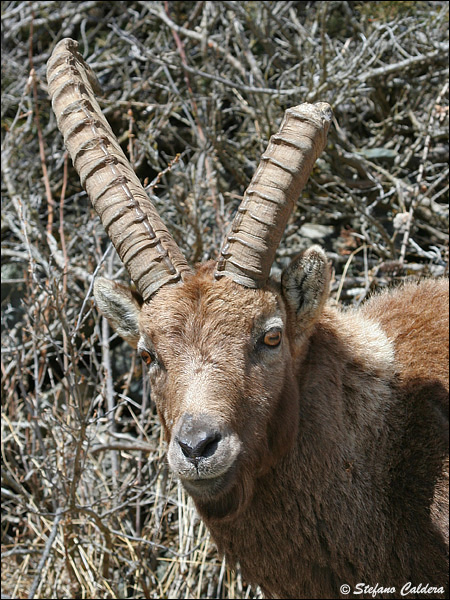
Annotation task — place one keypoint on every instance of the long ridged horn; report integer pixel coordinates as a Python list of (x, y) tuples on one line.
[(130, 219), (249, 248)]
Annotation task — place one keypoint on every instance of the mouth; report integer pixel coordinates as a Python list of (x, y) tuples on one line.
[(219, 497), (208, 488)]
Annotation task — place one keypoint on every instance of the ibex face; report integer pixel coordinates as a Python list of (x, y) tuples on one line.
[(221, 362), (220, 366)]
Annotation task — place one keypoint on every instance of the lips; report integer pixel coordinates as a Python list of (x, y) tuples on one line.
[(208, 487)]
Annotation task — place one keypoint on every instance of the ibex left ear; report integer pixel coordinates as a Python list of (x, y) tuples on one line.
[(305, 286)]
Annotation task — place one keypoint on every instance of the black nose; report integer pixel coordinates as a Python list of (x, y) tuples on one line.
[(198, 437)]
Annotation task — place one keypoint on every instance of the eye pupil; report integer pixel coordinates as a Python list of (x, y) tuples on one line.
[(272, 338)]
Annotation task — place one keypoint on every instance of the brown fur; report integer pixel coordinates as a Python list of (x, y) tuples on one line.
[(337, 437)]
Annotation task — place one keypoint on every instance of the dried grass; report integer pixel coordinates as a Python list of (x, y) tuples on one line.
[(194, 90)]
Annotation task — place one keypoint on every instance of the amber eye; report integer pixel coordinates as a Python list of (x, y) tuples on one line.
[(146, 357), (272, 337)]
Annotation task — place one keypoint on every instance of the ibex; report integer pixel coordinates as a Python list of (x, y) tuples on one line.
[(312, 440)]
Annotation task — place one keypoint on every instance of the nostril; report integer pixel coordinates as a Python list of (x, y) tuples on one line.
[(199, 446), (208, 446)]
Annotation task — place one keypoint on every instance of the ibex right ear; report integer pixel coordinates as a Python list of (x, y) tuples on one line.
[(305, 284), (120, 306)]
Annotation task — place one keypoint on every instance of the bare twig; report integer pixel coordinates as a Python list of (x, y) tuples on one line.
[(416, 196), (46, 553)]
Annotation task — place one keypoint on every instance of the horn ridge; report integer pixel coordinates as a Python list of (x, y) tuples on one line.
[(142, 241), (249, 248)]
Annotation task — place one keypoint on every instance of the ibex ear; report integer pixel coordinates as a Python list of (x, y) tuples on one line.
[(305, 285), (120, 306)]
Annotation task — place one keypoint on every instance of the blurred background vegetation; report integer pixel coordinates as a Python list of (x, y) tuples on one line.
[(193, 90)]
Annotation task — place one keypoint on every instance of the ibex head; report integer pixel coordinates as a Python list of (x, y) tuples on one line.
[(222, 343)]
